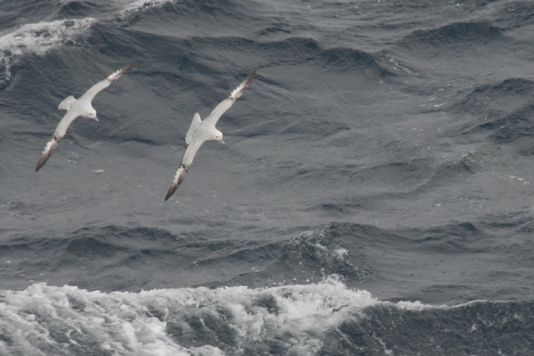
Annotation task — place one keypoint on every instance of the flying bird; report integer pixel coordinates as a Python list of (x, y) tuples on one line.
[(75, 108), (201, 131)]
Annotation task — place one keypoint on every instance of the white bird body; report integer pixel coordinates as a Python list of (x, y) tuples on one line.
[(81, 107), (201, 131)]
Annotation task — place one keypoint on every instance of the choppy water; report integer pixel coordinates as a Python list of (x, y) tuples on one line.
[(374, 195)]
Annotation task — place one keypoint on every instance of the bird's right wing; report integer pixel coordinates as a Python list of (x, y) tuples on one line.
[(98, 87), (52, 145), (227, 103), (187, 160)]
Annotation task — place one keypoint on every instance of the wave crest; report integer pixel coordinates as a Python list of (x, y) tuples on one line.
[(321, 318), (455, 34), (39, 38)]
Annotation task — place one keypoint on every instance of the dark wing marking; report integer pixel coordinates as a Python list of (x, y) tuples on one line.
[(98, 87), (187, 160), (50, 148), (52, 145), (227, 103)]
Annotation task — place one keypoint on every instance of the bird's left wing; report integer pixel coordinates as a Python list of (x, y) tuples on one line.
[(187, 160), (51, 146), (98, 87), (227, 103)]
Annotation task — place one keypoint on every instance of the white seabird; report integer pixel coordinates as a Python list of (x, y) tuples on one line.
[(75, 108), (202, 131)]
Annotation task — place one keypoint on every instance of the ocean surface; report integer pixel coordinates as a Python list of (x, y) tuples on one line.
[(374, 196)]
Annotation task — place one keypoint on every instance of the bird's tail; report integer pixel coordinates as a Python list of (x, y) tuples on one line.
[(178, 179), (50, 148), (66, 103)]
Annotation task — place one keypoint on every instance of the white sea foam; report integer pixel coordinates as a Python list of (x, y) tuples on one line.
[(141, 5), (66, 320), (341, 252), (39, 38)]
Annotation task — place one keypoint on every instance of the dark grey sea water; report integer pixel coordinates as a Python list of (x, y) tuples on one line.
[(374, 196)]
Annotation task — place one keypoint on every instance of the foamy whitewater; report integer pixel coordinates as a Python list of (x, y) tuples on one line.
[(140, 5), (67, 320), (321, 318), (39, 38)]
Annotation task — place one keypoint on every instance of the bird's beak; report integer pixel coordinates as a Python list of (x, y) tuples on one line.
[(97, 119), (221, 142)]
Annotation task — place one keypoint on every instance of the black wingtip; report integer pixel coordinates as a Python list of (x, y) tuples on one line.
[(171, 191), (42, 162), (251, 75), (182, 171), (127, 68), (124, 70), (46, 155)]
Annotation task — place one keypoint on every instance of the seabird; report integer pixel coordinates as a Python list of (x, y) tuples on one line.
[(75, 108), (201, 131)]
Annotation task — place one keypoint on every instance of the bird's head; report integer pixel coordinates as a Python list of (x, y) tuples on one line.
[(92, 115), (219, 137)]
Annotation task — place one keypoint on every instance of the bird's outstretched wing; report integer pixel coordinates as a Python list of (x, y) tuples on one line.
[(52, 145), (187, 160), (98, 87), (227, 103)]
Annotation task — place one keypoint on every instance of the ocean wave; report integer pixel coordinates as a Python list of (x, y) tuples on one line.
[(133, 258), (185, 7), (519, 123), (68, 320), (325, 317), (306, 257), (75, 8), (479, 327), (141, 5), (111, 251), (502, 110), (39, 38), (516, 14), (346, 58), (455, 34), (302, 50), (485, 97), (447, 172), (321, 127), (451, 238), (129, 258), (401, 176)]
